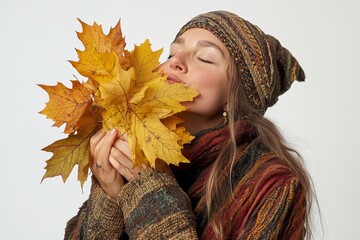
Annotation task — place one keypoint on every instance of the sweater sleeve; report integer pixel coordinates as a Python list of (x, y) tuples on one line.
[(155, 207), (100, 217)]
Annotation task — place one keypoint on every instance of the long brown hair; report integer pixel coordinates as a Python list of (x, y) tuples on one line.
[(239, 107)]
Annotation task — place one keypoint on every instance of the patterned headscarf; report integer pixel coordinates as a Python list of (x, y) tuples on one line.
[(266, 68)]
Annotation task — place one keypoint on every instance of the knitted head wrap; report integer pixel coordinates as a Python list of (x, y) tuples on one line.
[(266, 68)]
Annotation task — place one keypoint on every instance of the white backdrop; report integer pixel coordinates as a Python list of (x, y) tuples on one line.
[(319, 117)]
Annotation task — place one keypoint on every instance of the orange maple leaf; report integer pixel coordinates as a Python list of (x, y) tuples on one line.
[(66, 105)]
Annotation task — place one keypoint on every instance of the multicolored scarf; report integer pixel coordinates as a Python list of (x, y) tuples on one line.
[(265, 192), (205, 148)]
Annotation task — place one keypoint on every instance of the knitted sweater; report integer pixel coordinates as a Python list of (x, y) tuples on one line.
[(267, 200)]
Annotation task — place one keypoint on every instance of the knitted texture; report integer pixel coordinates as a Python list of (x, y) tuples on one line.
[(100, 217), (156, 208), (267, 200), (266, 68)]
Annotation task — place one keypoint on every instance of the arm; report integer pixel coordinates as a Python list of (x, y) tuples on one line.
[(155, 207), (100, 217)]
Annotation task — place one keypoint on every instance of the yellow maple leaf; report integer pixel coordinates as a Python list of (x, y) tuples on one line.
[(73, 150), (123, 91), (174, 123), (144, 61), (94, 39)]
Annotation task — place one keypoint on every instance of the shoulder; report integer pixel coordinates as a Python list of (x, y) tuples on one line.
[(268, 182), (256, 167)]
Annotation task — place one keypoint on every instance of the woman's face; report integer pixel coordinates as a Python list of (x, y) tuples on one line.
[(200, 60)]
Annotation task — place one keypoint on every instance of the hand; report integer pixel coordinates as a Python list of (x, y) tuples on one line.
[(120, 159), (108, 177)]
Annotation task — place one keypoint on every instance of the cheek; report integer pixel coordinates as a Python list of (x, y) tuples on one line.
[(213, 94), (215, 87)]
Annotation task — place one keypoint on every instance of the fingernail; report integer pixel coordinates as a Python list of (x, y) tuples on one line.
[(113, 131)]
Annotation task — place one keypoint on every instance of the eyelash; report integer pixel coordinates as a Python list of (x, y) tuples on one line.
[(205, 61), (202, 60)]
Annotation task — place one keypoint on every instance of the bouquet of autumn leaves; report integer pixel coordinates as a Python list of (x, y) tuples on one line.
[(122, 91)]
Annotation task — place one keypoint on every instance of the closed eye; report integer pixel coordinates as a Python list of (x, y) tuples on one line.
[(205, 61)]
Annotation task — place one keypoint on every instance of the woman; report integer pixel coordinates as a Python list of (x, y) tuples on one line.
[(243, 182)]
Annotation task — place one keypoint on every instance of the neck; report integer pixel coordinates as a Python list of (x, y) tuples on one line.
[(195, 123)]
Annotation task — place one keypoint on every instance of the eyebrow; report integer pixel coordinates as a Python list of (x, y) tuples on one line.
[(201, 43)]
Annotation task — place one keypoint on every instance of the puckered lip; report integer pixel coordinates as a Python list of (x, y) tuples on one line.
[(173, 79)]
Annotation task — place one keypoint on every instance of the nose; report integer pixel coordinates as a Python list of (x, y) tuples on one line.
[(178, 63)]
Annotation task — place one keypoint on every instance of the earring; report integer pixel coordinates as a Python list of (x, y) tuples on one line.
[(225, 117)]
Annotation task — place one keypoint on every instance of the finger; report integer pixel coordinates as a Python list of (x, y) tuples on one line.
[(95, 139), (121, 158), (123, 146), (125, 136), (124, 171), (104, 148), (115, 164)]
